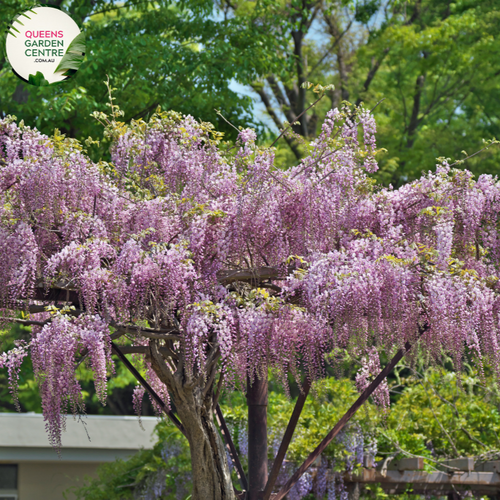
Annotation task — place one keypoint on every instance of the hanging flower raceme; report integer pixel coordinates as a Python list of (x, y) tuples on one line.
[(19, 257), (370, 368), (13, 360), (54, 350)]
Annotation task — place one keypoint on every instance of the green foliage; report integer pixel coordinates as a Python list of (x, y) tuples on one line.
[(434, 65), (146, 469), (330, 399), (155, 53), (440, 81), (38, 80), (365, 10), (73, 58), (436, 418)]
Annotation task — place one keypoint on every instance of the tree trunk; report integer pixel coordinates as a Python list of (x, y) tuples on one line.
[(211, 476), (192, 397), (257, 437)]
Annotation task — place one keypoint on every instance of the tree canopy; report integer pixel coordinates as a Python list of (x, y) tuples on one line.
[(435, 64), (174, 54), (219, 265)]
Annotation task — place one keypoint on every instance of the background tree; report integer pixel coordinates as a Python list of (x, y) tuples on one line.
[(174, 54), (219, 266), (434, 63)]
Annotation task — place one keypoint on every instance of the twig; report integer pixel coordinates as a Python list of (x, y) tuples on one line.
[(373, 109), (407, 453), (226, 120), (472, 438), (26, 322), (442, 428), (337, 40), (473, 154), (305, 111), (452, 443)]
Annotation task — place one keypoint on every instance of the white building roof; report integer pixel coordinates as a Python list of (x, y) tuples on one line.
[(93, 438)]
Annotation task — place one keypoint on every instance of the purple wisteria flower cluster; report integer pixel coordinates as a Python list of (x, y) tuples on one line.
[(214, 259), (370, 368)]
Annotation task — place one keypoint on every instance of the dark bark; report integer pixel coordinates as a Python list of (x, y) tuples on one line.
[(257, 437), (280, 97), (343, 74), (292, 101), (416, 13), (335, 42), (298, 39), (414, 120), (342, 57), (269, 108), (304, 18), (21, 94), (371, 74)]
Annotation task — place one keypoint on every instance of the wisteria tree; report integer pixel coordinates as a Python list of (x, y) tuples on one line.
[(216, 266)]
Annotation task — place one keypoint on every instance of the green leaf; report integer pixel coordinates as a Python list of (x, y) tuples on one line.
[(38, 80), (74, 55)]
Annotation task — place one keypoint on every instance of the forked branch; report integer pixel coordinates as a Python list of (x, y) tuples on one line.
[(170, 414)]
